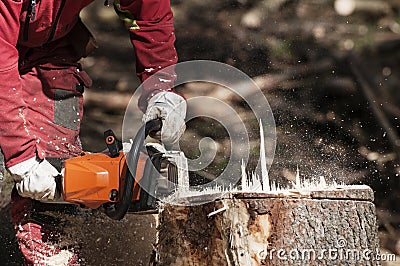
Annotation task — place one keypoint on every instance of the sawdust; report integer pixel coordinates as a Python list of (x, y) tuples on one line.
[(60, 259), (316, 123), (99, 240)]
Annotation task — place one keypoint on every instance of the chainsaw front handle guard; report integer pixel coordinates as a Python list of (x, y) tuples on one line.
[(118, 210)]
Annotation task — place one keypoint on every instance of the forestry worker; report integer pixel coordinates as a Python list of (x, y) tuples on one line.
[(42, 87)]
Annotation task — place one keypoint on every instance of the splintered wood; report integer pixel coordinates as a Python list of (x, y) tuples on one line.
[(335, 226)]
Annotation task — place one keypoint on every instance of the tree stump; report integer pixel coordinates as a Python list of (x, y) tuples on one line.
[(334, 226)]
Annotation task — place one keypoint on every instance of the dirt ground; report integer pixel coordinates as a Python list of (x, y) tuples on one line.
[(331, 81)]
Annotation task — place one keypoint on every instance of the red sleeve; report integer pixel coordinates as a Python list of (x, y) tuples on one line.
[(151, 27), (15, 141)]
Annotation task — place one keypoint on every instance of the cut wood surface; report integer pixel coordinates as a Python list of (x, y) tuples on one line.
[(318, 227)]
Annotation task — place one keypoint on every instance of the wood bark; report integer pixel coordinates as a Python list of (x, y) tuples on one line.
[(320, 227)]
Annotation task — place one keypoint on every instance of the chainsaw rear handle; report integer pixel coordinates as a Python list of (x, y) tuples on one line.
[(118, 210)]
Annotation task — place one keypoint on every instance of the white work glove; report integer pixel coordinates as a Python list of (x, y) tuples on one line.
[(171, 108), (35, 179)]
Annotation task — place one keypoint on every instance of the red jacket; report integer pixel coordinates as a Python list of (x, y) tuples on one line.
[(152, 36)]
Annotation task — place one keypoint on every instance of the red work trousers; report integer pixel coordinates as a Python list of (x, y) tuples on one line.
[(53, 84), (39, 234)]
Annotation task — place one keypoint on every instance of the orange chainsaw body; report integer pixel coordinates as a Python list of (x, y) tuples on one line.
[(93, 179)]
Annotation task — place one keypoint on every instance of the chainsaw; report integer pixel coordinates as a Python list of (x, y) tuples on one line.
[(119, 182)]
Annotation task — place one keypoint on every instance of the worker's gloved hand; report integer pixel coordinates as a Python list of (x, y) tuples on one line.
[(35, 179), (171, 108)]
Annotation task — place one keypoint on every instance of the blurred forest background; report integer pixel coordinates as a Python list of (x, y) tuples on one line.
[(330, 70)]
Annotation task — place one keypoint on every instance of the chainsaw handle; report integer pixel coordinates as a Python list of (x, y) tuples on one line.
[(152, 126), (118, 210)]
